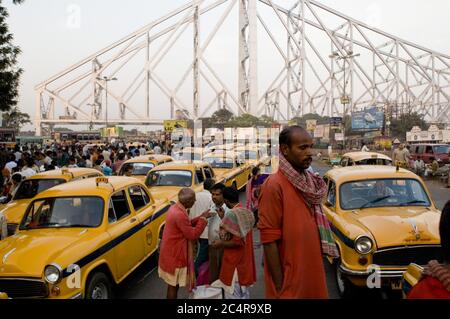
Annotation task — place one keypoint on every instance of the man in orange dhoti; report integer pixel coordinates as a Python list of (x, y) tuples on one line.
[(294, 231)]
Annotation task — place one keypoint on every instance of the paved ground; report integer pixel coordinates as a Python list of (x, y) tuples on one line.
[(144, 283)]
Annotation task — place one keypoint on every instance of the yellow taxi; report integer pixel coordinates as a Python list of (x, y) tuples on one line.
[(365, 158), (383, 219), (78, 240), (32, 186), (254, 154), (189, 154), (141, 165), (230, 167), (165, 181)]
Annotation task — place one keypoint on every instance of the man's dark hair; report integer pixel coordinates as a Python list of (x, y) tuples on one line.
[(444, 231), (231, 194), (286, 135), (255, 170), (208, 184), (218, 187)]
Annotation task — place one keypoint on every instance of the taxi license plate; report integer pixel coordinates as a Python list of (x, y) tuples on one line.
[(396, 285)]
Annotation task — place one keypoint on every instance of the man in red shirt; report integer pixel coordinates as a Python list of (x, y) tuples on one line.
[(176, 260), (435, 282)]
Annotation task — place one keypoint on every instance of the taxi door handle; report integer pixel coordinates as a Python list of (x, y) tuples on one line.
[(133, 220)]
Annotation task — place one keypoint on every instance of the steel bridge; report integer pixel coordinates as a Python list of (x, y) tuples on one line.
[(286, 62)]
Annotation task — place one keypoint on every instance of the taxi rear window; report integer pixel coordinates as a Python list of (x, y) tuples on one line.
[(30, 188)]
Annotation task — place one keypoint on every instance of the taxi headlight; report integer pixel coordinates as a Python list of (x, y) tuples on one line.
[(363, 245), (52, 274)]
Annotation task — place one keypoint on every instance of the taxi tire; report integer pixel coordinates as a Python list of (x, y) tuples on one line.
[(345, 289), (97, 280)]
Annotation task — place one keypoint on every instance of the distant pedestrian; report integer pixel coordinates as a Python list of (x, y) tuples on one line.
[(294, 230), (253, 190), (364, 148)]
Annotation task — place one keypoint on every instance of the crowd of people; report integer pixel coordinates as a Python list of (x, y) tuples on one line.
[(22, 162)]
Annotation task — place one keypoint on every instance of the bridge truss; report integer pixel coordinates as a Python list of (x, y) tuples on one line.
[(288, 61)]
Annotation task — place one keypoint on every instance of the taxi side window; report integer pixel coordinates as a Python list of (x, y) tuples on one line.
[(208, 173), (139, 197), (199, 174), (331, 198), (119, 205)]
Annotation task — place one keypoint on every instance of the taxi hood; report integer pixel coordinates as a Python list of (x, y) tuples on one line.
[(165, 192), (28, 252), (15, 210), (399, 226)]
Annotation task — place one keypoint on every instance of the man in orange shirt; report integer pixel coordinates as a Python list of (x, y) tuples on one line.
[(294, 231), (176, 260)]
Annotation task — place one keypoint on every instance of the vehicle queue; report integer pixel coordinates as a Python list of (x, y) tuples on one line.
[(97, 229)]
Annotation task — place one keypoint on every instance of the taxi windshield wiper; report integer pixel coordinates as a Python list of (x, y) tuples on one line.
[(375, 201), (416, 201)]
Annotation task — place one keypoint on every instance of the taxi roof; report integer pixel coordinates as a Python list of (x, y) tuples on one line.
[(222, 154), (148, 159), (72, 173), (365, 172), (88, 187), (180, 165), (359, 156)]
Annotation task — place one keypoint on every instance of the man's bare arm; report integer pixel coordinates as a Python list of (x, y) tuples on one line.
[(274, 264)]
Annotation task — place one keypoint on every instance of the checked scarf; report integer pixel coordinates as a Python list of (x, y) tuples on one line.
[(313, 190)]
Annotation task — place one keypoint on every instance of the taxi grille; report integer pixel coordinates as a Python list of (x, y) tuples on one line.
[(403, 256), (23, 288)]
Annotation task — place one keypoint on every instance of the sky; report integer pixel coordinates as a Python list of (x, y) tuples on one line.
[(54, 34)]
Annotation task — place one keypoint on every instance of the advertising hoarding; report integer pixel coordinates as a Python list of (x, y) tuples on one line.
[(369, 119)]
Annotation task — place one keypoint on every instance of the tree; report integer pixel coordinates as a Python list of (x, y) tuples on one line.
[(221, 117), (16, 119), (9, 72), (404, 123)]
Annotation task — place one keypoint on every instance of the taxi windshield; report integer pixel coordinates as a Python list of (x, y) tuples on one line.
[(30, 188), (138, 168), (383, 193), (375, 161), (186, 156), (217, 162), (170, 178), (64, 212)]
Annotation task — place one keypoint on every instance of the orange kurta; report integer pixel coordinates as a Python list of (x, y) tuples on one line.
[(285, 219)]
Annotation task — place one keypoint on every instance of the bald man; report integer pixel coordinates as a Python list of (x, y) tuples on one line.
[(176, 257)]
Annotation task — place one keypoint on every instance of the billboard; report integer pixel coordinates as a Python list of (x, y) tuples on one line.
[(319, 131), (311, 125), (336, 122), (171, 125), (370, 119)]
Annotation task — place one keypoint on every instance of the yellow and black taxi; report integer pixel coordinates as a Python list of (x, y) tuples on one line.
[(189, 154), (383, 219), (78, 240), (254, 154), (230, 167), (365, 158), (34, 185), (141, 165), (165, 181)]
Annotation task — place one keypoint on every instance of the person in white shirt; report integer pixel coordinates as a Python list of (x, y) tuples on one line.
[(364, 148), (202, 204), (220, 208), (142, 150), (106, 155), (28, 170), (419, 166), (11, 164), (157, 149)]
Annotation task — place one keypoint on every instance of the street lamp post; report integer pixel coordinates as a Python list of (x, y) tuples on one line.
[(106, 79), (344, 99)]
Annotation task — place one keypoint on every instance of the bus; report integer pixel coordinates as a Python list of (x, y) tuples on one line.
[(8, 137), (72, 137)]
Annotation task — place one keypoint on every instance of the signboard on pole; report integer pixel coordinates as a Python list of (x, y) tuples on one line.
[(370, 119), (339, 136), (336, 122), (171, 125), (319, 131), (311, 125)]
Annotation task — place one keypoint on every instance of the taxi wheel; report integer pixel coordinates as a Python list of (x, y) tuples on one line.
[(99, 287), (344, 286)]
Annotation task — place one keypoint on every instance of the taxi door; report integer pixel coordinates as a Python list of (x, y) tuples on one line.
[(145, 212), (244, 172), (123, 227)]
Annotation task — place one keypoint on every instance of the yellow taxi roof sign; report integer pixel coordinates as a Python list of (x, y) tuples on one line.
[(103, 180)]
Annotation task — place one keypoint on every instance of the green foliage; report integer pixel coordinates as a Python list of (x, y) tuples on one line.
[(399, 127), (9, 72), (16, 119)]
